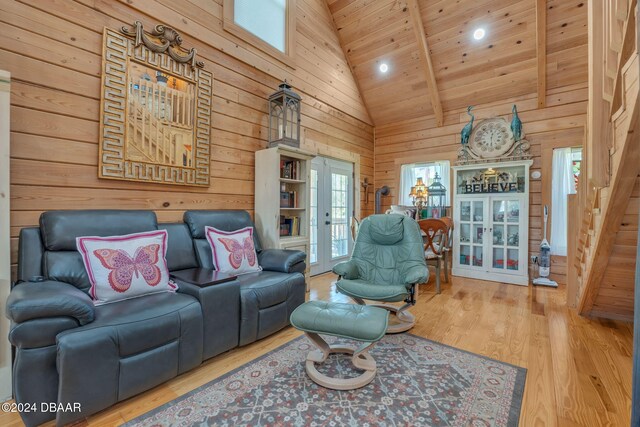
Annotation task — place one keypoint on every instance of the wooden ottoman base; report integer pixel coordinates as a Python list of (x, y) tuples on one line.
[(361, 359)]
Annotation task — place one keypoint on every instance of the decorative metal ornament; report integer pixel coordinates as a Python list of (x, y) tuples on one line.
[(437, 197), (466, 130), (516, 124), (284, 117), (494, 140), (163, 39)]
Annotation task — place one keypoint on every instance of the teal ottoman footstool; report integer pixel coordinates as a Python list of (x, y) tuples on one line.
[(358, 322)]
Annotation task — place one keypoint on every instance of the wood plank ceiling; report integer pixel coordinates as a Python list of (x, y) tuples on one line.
[(504, 64)]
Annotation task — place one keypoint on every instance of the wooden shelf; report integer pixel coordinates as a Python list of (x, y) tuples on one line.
[(292, 181), (285, 238), (292, 209)]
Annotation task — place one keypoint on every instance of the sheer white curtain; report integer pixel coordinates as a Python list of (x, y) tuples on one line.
[(562, 184), (427, 171), (444, 171), (407, 179)]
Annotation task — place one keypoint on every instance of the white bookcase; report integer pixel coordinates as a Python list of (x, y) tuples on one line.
[(491, 220), (282, 193)]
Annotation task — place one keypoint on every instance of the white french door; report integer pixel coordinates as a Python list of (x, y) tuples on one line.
[(331, 212)]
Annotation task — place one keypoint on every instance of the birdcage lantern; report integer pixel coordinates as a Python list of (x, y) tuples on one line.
[(437, 198), (284, 117)]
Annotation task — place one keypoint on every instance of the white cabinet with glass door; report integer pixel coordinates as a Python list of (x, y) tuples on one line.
[(331, 211), (491, 222)]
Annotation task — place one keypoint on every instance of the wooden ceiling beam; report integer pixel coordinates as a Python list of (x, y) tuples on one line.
[(541, 50), (425, 59)]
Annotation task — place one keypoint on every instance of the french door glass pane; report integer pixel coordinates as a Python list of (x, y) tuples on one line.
[(465, 211), (513, 237), (477, 256), (498, 235), (339, 215), (465, 255), (477, 233), (498, 258), (478, 211), (513, 211), (498, 210), (313, 245), (465, 233), (512, 259)]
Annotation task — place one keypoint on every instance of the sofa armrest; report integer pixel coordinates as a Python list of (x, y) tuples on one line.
[(282, 260), (416, 274), (347, 270), (36, 300)]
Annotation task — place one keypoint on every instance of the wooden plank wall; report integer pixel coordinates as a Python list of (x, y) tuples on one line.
[(561, 123), (53, 50)]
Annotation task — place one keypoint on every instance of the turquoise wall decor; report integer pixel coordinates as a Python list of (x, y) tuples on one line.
[(516, 125), (466, 130)]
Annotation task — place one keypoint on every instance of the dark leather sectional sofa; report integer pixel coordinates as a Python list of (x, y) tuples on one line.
[(69, 351)]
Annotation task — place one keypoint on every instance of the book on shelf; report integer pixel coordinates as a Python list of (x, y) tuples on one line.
[(289, 226), (290, 169), (288, 199)]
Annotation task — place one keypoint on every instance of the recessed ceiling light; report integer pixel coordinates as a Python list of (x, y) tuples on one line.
[(384, 67), (478, 33)]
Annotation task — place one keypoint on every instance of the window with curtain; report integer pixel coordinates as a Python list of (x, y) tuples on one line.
[(427, 171), (263, 23), (564, 181)]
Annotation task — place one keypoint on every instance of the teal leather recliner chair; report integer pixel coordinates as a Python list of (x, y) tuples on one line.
[(386, 265)]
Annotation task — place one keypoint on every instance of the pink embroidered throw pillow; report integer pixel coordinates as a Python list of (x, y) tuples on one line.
[(123, 267), (233, 251)]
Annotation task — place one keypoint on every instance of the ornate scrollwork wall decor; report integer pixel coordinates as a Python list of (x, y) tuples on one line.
[(163, 40), (492, 140), (156, 109)]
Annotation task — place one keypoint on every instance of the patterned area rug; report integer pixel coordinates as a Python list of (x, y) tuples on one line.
[(419, 383)]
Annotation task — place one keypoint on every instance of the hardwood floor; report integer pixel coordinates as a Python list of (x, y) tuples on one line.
[(579, 369)]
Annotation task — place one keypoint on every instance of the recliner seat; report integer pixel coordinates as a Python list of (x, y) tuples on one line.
[(267, 297)]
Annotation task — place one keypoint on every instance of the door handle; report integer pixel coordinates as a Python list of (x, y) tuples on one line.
[(327, 222)]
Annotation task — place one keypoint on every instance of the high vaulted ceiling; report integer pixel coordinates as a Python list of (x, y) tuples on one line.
[(503, 65)]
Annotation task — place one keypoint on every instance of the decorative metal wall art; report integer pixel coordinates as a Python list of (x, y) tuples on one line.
[(156, 109), (493, 140)]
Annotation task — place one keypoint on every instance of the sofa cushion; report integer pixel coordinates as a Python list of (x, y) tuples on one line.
[(59, 229), (123, 267), (267, 299), (132, 346), (227, 220), (67, 267), (233, 251), (180, 251)]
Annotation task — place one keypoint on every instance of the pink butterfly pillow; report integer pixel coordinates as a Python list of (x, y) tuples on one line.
[(233, 251), (123, 267)]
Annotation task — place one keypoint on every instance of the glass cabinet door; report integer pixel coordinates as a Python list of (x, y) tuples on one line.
[(471, 233), (505, 234)]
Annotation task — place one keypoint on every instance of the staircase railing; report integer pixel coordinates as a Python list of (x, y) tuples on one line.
[(158, 117)]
